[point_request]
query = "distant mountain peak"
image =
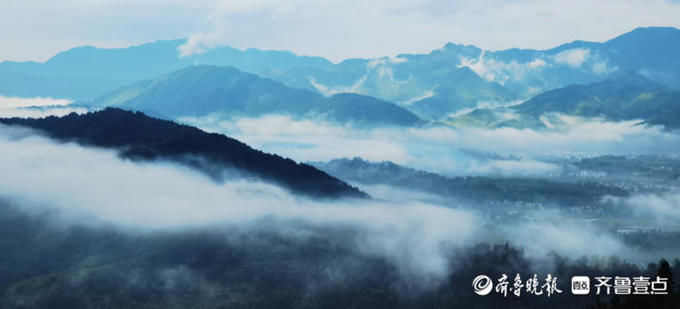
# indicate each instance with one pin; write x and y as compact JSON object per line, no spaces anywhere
{"x":197,"y":91}
{"x":653,"y":30}
{"x":646,"y":38}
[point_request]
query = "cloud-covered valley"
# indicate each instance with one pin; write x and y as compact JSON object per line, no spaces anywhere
{"x":414,"y":231}
{"x":96,"y":187}
{"x":466,"y":151}
{"x":36,"y":107}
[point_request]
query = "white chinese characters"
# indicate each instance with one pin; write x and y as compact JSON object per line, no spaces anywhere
{"x":620,"y":285}
{"x":483,"y":285}
{"x":580,"y":285}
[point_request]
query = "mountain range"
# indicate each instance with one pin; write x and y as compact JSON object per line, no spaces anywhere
{"x":197,"y":91}
{"x":87,"y":72}
{"x":406,"y":251}
{"x":140,"y":137}
{"x":434,"y":85}
{"x":626,"y":95}
{"x":434,"y":82}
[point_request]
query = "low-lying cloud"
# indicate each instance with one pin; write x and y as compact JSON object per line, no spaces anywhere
{"x":36,"y":107}
{"x":573,"y":57}
{"x":94,"y":186}
{"x":662,"y":209}
{"x":7,"y":102}
{"x":446,"y":150}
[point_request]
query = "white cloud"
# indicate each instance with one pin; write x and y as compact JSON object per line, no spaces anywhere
{"x":304,"y":140}
{"x":486,"y":69}
{"x":36,"y":107}
{"x":663,"y":208}
{"x":494,"y":70}
{"x":331,"y":90}
{"x":13,"y":102}
{"x":443,"y":149}
{"x":526,"y":167}
{"x":601,"y":67}
{"x":378,"y":70}
{"x":537,"y":63}
{"x":103,"y":188}
{"x":573,"y":57}
{"x":198,"y":44}
{"x":425,"y":95}
{"x":508,"y":114}
{"x":566,"y":236}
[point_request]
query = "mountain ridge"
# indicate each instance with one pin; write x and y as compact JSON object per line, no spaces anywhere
{"x":197,"y":91}
{"x":626,"y":95}
{"x":138,"y":136}
{"x":410,"y":80}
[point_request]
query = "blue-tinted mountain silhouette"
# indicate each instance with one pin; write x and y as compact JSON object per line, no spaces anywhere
{"x":203,"y":90}
{"x":625,"y":96}
{"x":434,"y":85}
{"x":86,"y":72}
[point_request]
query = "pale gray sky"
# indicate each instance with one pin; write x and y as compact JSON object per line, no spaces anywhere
{"x":336,"y":29}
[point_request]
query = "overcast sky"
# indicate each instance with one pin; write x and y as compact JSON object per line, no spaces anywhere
{"x":336,"y":29}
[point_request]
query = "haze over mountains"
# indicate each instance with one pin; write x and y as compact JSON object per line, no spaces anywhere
{"x":435,"y":86}
{"x":465,"y":162}
{"x":86,"y":72}
{"x":625,"y":95}
{"x":198,"y":91}
{"x":469,"y":189}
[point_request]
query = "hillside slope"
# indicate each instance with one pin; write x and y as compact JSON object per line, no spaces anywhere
{"x":140,"y":137}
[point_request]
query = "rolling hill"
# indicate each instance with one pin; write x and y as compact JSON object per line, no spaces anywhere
{"x":198,"y":91}
{"x":141,"y":137}
{"x":626,"y":95}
